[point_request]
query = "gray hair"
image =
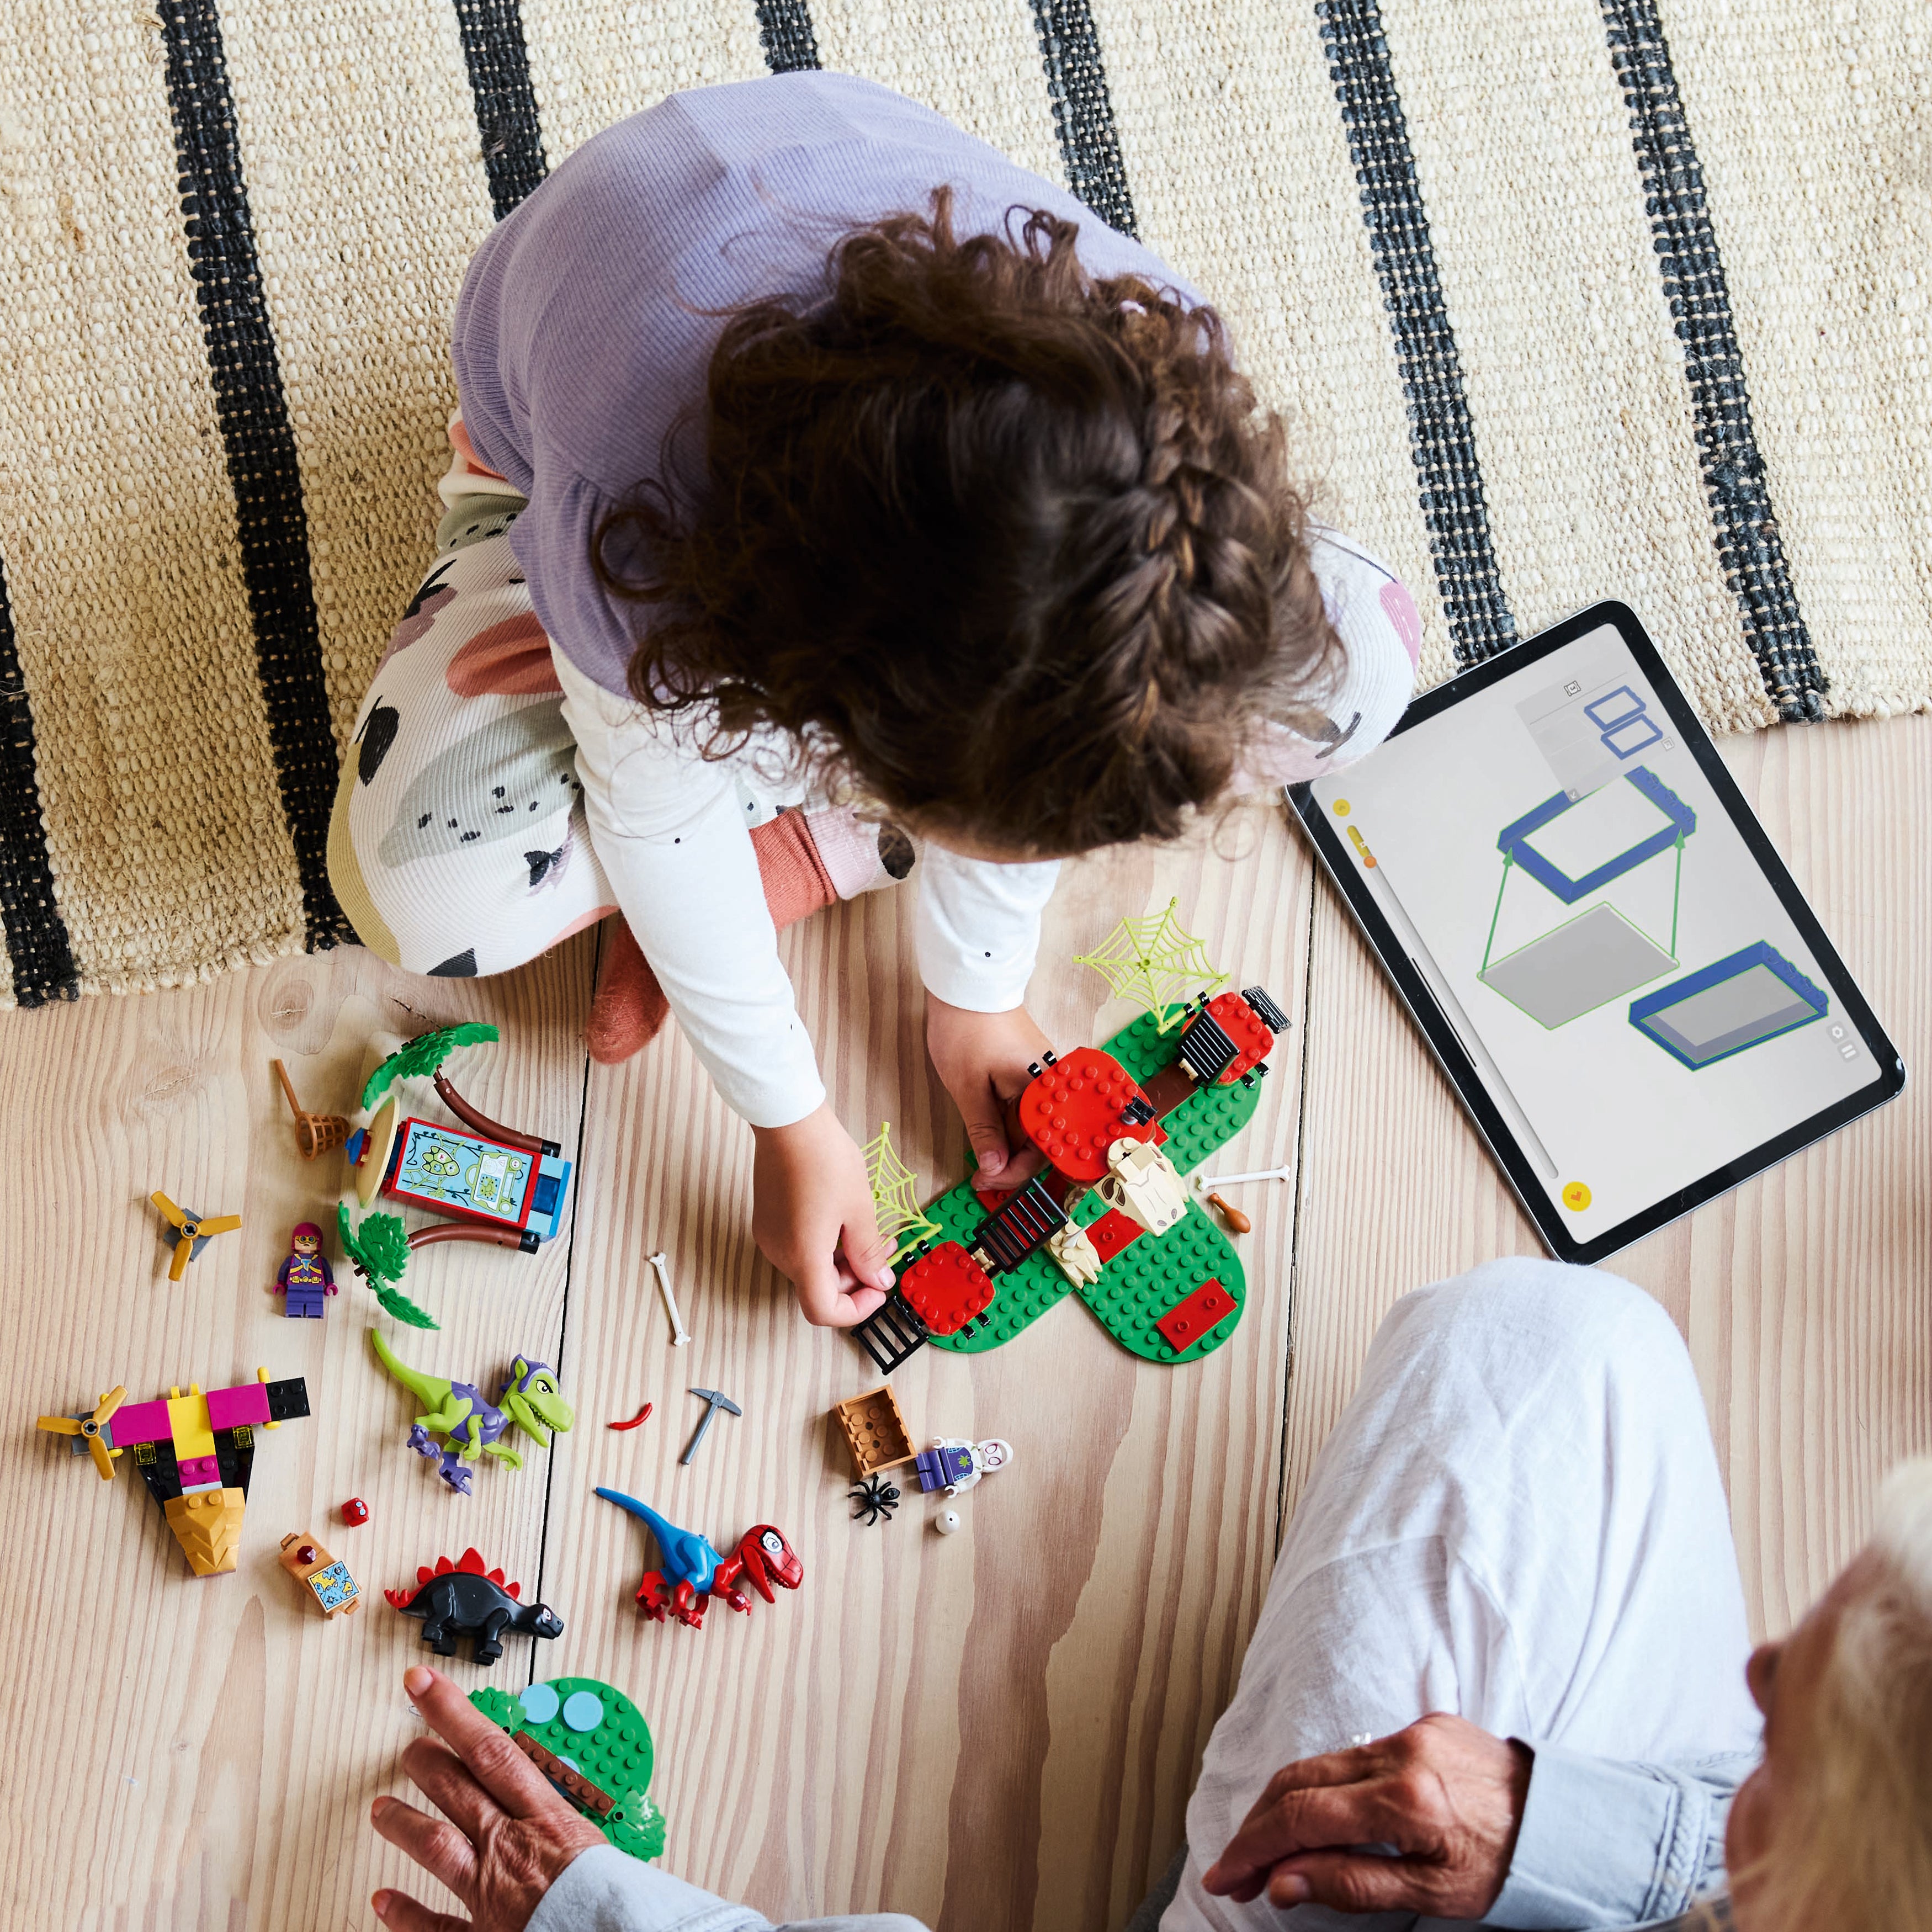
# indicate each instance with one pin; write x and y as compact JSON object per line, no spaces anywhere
{"x":1857,"y":1848}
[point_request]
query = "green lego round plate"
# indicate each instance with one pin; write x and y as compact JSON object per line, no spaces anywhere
{"x":1157,"y":1273}
{"x":615,"y":1753}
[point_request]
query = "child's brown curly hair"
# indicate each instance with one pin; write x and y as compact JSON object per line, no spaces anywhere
{"x":1008,"y":547}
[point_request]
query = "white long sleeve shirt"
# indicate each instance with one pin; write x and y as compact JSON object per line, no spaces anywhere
{"x":670,"y":828}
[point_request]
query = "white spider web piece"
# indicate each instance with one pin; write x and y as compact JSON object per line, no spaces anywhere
{"x":1155,"y":963}
{"x":895,"y":1194}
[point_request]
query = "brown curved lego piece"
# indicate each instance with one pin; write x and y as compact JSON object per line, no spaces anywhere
{"x":460,"y":1231}
{"x":481,"y":1123}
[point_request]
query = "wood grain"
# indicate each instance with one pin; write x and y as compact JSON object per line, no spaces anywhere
{"x":994,"y":1731}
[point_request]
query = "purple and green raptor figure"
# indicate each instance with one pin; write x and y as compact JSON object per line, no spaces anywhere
{"x":471,"y":1427}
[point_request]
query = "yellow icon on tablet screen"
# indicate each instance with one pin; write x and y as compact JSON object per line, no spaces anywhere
{"x":1341,"y":807}
{"x":1575,"y":1197}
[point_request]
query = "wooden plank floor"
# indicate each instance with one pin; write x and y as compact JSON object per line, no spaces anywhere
{"x":995,"y":1730}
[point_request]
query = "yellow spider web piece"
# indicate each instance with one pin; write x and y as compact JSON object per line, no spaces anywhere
{"x":895,"y":1194}
{"x":1156,"y":965}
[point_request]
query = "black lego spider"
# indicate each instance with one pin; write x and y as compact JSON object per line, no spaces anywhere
{"x":874,"y":1499}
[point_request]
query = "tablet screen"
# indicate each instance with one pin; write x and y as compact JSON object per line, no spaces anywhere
{"x":1637,"y":1002}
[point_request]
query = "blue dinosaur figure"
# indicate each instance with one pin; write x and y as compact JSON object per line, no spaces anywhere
{"x":693,"y":1570}
{"x":471,"y":1427}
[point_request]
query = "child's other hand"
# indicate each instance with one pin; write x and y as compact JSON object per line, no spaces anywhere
{"x":812,"y":1219}
{"x":982,"y":1058}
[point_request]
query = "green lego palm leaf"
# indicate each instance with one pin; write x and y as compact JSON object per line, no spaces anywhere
{"x":1155,"y":963}
{"x":380,"y":1250}
{"x":405,"y":1310}
{"x":895,"y":1194}
{"x":423,"y":1054}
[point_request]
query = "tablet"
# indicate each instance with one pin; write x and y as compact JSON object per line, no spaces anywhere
{"x":1613,"y":966}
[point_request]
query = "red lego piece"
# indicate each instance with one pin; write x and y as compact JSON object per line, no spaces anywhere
{"x":1245,"y":1027}
{"x":1112,"y":1232}
{"x":355,"y":1511}
{"x":1189,"y":1318}
{"x":1072,"y":1111}
{"x":946,"y":1288}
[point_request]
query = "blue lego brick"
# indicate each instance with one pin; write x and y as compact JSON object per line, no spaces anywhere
{"x":1680,"y":821}
{"x":1741,"y":1001}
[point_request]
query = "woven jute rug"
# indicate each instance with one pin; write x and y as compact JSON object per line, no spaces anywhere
{"x":1566,"y":298}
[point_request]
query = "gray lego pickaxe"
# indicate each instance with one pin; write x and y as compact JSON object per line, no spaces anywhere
{"x":717,"y":1401}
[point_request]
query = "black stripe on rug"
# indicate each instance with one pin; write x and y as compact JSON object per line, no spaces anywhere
{"x":1441,"y":437}
{"x":785,"y":31}
{"x":506,"y":103}
{"x":1083,"y":110}
{"x":252,"y":412}
{"x":37,"y":942}
{"x":1749,"y":547}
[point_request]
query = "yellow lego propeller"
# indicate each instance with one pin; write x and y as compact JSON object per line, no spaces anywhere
{"x":189,"y":1229}
{"x":90,"y":1427}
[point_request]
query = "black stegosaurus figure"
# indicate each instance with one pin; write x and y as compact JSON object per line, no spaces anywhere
{"x":462,"y":1599}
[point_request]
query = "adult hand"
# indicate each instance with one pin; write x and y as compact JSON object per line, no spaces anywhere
{"x":813,"y":1220}
{"x":983,"y":1059}
{"x":1445,"y":1793}
{"x":510,"y":1834}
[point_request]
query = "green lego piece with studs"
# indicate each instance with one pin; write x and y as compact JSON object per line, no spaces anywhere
{"x":602,"y":1735}
{"x":1140,"y":1285}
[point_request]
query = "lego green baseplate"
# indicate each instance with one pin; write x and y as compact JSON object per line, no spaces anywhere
{"x":1141,"y":1283}
{"x":602,"y":1735}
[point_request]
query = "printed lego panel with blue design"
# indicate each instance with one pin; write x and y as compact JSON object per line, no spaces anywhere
{"x":462,"y":1174}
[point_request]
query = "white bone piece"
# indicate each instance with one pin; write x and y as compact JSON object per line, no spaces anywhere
{"x":1206,"y":1183}
{"x":678,"y":1336}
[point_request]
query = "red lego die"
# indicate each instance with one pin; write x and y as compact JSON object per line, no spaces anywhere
{"x":946,"y":1288}
{"x":1190,"y":1317}
{"x":1246,"y":1027}
{"x":355,"y":1511}
{"x":1071,"y":1111}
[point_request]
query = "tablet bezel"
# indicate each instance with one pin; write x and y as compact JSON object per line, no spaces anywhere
{"x":1441,"y":1037}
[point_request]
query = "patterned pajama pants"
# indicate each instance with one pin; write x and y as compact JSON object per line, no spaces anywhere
{"x":458,"y":845}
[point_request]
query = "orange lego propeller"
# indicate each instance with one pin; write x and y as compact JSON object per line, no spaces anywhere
{"x":191,"y":1230}
{"x":90,"y":1427}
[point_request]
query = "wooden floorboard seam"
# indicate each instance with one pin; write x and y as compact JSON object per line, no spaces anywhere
{"x":563,"y":1316}
{"x":1292,"y":1283}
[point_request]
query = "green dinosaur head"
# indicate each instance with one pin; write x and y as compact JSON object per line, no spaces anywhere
{"x":532,"y":1400}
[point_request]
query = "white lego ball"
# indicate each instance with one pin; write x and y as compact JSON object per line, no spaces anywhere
{"x":947,"y":1522}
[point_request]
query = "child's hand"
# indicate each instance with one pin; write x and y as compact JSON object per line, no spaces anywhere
{"x":982,"y":1058}
{"x":812,"y":1219}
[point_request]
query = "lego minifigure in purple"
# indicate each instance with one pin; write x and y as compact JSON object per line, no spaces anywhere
{"x":306,"y":1276}
{"x":952,"y":1464}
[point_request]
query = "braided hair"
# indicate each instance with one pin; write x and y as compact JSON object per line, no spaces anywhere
{"x":1008,"y":547}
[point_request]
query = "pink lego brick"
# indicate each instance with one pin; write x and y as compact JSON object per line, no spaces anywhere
{"x":139,"y":1422}
{"x":199,"y":1469}
{"x":229,"y":1408}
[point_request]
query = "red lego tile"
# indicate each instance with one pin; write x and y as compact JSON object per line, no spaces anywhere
{"x":1190,"y":1317}
{"x":946,"y":1288}
{"x":1112,"y":1232}
{"x":1071,"y":1111}
{"x":1245,"y":1027}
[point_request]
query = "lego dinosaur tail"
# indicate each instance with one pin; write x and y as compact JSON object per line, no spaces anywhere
{"x":429,"y":1390}
{"x":659,"y":1527}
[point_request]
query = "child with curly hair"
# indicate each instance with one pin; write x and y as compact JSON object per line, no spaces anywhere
{"x":833,"y":499}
